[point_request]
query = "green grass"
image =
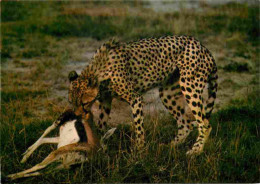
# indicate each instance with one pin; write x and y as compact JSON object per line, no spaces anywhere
{"x":24,"y":94}
{"x":50,"y":19}
{"x":231,"y":154}
{"x":236,"y":67}
{"x":81,"y":26}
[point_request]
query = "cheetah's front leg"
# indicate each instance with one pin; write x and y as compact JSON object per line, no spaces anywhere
{"x":137,"y":110}
{"x":103,"y":116}
{"x":125,"y":91}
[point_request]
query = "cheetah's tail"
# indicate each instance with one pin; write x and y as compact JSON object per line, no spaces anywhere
{"x":212,"y":90}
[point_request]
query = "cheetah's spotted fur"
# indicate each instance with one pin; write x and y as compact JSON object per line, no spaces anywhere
{"x":179,"y":65}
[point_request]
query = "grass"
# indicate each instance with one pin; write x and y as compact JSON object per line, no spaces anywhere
{"x":231,"y":154}
{"x":236,"y":67}
{"x":39,"y":39}
{"x":58,"y":20}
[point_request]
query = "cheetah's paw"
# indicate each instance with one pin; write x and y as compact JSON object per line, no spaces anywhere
{"x":194,"y":151}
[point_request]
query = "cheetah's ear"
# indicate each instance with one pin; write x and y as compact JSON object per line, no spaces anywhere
{"x":73,"y":76}
{"x":112,"y":43}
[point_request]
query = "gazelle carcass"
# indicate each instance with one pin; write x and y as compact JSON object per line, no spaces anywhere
{"x":76,"y":142}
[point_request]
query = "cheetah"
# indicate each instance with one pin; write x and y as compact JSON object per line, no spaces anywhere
{"x":180,"y":66}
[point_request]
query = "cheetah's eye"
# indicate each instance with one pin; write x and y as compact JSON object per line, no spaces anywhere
{"x":89,"y":82}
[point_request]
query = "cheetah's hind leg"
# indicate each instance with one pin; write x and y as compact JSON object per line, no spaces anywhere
{"x":193,"y":96}
{"x":174,"y":101}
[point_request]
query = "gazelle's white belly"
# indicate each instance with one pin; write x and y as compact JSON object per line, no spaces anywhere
{"x":68,"y":134}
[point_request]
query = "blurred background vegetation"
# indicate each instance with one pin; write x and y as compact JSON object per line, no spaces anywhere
{"x":42,"y":41}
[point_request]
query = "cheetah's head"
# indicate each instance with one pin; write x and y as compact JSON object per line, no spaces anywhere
{"x":83,"y":91}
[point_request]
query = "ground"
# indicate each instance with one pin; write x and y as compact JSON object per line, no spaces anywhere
{"x":42,"y":42}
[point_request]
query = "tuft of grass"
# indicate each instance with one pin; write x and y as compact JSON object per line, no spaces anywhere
{"x":17,"y":13}
{"x":80,"y":25}
{"x":240,"y":134}
{"x":231,"y":18}
{"x":237,"y":67}
{"x":22,"y":95}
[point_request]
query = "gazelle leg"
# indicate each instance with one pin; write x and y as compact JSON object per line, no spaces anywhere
{"x":50,"y":140}
{"x":36,"y":173}
{"x":47,"y":131}
{"x":54,"y":156}
{"x":32,"y":174}
{"x":49,"y":159}
{"x":31,"y":149}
